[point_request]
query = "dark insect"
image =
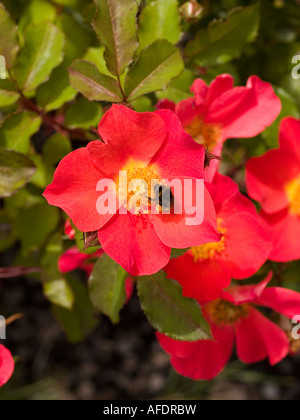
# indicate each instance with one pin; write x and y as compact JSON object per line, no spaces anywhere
{"x":164,"y":197}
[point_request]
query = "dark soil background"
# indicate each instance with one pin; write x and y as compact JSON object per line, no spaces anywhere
{"x":116,"y":362}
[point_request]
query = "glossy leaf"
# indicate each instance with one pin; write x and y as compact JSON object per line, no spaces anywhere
{"x":154,"y":69}
{"x":169,"y":312}
{"x":57,"y":90}
{"x":8,"y":94}
{"x":179,"y":89}
{"x":86,"y":79}
{"x":107,"y":287}
{"x":56,"y":148}
{"x":77,"y":37}
{"x":42,"y":52}
{"x":55,"y":286}
{"x":115,"y":26}
{"x":96,"y":55}
{"x":83,"y":114}
{"x":79,"y":321}
{"x":59,"y":293}
{"x":34,"y":225}
{"x":44,"y":172}
{"x":159,"y":20}
{"x":17,"y":129}
{"x":36,"y":12}
{"x":8,"y":37}
{"x":15,"y":171}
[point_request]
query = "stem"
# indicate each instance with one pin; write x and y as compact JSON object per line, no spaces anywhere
{"x":13,"y":318}
{"x":50,"y":121}
{"x":121,"y":89}
{"x":76,"y":134}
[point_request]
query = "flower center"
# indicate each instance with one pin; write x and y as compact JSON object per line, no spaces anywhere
{"x":206,"y":134}
{"x":223,"y":312}
{"x":293,"y":193}
{"x":211,"y":250}
{"x":135,"y":188}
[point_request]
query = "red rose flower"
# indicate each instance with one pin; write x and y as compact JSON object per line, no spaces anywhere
{"x":146,"y":146}
{"x":234,"y":318}
{"x":221,"y":111}
{"x":204,"y":271}
{"x":274,"y":181}
{"x":7,"y":365}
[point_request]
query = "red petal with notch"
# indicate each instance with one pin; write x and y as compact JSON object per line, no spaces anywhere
{"x":202,"y":280}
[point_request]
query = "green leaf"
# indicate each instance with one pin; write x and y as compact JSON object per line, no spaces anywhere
{"x":56,"y":288}
{"x":15,"y":171}
{"x":159,"y":20}
{"x":86,"y":79}
{"x":42,"y":52}
{"x":157,"y":65}
{"x":24,"y":198}
{"x":44,"y":173}
{"x":96,"y":55}
{"x":8,"y":37}
{"x":78,"y":4}
{"x":223,"y":41}
{"x":56,"y":148}
{"x":59,"y":293}
{"x":77,"y":37}
{"x":179,"y":88}
{"x":79,"y":321}
{"x":107,"y":287}
{"x":83,"y":114}
{"x":8,"y":94}
{"x":169,"y":312}
{"x":36,"y":12}
{"x":175,"y":253}
{"x":17,"y":129}
{"x":34,"y":225}
{"x":143,"y":104}
{"x":115,"y":25}
{"x":57,"y":90}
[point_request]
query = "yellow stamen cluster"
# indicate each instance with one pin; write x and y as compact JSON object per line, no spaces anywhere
{"x":293,"y":193}
{"x":138,"y":184}
{"x":206,"y":134}
{"x":211,"y":250}
{"x":223,"y":312}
